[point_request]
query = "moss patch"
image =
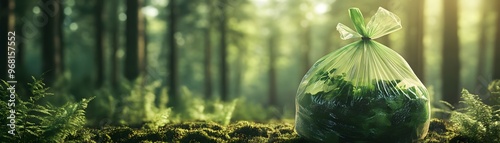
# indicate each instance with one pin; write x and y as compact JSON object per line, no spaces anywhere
{"x":198,"y":131}
{"x":242,"y":131}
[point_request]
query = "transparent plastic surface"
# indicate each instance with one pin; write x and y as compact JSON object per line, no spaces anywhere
{"x":364,"y":91}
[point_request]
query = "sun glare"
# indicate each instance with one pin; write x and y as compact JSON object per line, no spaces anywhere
{"x":320,"y":8}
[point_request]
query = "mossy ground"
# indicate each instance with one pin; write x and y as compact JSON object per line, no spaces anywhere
{"x":210,"y":132}
{"x":197,"y":131}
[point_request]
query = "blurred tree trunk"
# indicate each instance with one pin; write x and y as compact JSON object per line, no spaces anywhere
{"x":329,"y":39}
{"x":142,"y":41}
{"x":306,"y":35}
{"x":134,"y":48}
{"x":99,"y":37}
{"x":172,"y":58}
{"x":21,"y":72}
{"x":52,"y":50}
{"x":223,"y":52}
{"x":481,"y":86}
{"x":450,"y":70}
{"x":4,"y":29}
{"x":496,"y":60}
{"x":239,"y":68}
{"x":208,"y":50}
{"x":414,"y":37}
{"x":115,"y":74}
{"x":272,"y":66}
{"x":60,"y":30}
{"x":207,"y":64}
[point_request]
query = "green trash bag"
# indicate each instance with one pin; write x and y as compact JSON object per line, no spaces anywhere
{"x":363,"y":92}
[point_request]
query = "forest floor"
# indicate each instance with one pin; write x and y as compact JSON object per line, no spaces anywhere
{"x":208,"y":132}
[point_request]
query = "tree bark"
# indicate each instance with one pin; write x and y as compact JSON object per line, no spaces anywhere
{"x":99,"y":37}
{"x":172,"y":58}
{"x":115,"y":74}
{"x":132,"y":36}
{"x":450,"y":70}
{"x":22,"y":74}
{"x":4,"y":28}
{"x":223,"y":54}
{"x":496,"y":60}
{"x":52,"y":43}
{"x":414,"y":37}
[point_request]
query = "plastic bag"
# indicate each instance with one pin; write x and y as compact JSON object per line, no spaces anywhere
{"x":363,"y":91}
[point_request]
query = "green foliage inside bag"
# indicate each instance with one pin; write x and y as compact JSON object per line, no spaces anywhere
{"x":363,"y":91}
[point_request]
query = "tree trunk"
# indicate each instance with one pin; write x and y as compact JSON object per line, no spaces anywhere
{"x":414,"y":37}
{"x":223,"y":54}
{"x":23,"y":75}
{"x":4,"y":29}
{"x":172,"y":58}
{"x":306,"y":49}
{"x":272,"y":68}
{"x":496,"y":60}
{"x":239,"y":69}
{"x":115,"y":74}
{"x":207,"y":64}
{"x":132,"y":33}
{"x":99,"y":35}
{"x":52,"y":42}
{"x":141,"y":48}
{"x":207,"y":71}
{"x":450,"y":53}
{"x":481,"y":85}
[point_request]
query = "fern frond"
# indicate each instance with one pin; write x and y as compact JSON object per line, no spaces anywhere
{"x":476,"y":120}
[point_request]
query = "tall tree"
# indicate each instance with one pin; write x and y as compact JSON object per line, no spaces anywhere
{"x":114,"y":45}
{"x":52,"y":40}
{"x":208,"y":50}
{"x":273,"y":45}
{"x":414,"y":37}
{"x":224,"y":73}
{"x":481,"y":85}
{"x":172,"y":57}
{"x":4,"y":28}
{"x":135,"y":47}
{"x":496,"y":61}
{"x":450,"y":69}
{"x":99,"y":47}
{"x":20,"y":9}
{"x":141,"y":48}
{"x":306,"y":48}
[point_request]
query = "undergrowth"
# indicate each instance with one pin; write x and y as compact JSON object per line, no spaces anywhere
{"x":475,"y":122}
{"x":38,"y":122}
{"x":145,"y":105}
{"x":139,"y":104}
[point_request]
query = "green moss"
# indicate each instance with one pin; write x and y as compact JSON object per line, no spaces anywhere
{"x":439,"y":131}
{"x":198,"y":131}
